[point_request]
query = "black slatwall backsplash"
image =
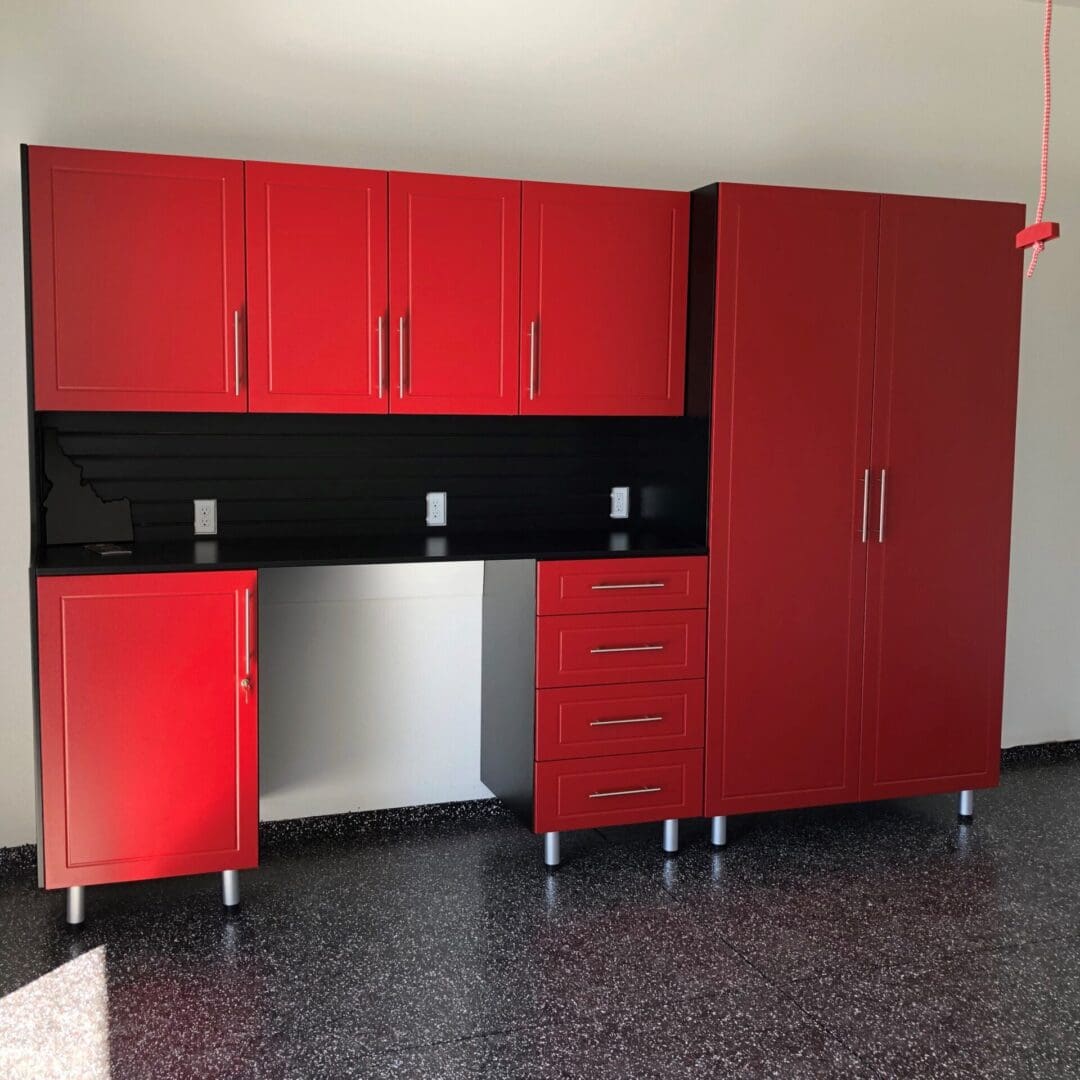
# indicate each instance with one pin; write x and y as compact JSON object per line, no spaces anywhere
{"x":295,"y":476}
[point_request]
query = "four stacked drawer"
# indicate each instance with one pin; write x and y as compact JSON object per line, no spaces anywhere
{"x":620,"y":698}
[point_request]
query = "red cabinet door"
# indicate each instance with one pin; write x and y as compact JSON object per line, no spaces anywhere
{"x":318,"y":335}
{"x":603,"y":321}
{"x":944,"y":417}
{"x":149,"y":743}
{"x":137,"y":270}
{"x":455,"y":256}
{"x":790,"y":451}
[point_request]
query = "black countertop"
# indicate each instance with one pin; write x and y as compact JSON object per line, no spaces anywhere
{"x":217,"y":553}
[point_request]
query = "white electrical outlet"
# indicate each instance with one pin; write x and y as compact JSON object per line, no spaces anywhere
{"x":620,"y":502}
{"x":205,"y":517}
{"x":436,"y":508}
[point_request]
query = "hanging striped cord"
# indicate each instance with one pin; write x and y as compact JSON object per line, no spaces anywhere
{"x":1039,"y":245}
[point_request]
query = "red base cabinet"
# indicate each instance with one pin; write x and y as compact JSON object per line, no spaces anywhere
{"x":149,"y":725}
{"x":613,"y":732}
{"x":863,"y":424}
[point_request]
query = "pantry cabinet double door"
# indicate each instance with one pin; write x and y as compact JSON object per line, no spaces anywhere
{"x":173,"y":283}
{"x":864,"y":414}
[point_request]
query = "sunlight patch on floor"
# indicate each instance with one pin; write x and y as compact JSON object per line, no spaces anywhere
{"x":57,"y":1027}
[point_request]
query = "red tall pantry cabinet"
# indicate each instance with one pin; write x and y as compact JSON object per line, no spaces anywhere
{"x":149,"y":741}
{"x":864,"y":406}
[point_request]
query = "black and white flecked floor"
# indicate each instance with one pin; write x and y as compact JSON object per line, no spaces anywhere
{"x":884,"y":940}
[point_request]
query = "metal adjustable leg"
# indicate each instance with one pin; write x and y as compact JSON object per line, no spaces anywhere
{"x":551,"y":849}
{"x":230,"y":887}
{"x":718,"y":834}
{"x":671,"y":835}
{"x":967,"y":804}
{"x":76,"y":904}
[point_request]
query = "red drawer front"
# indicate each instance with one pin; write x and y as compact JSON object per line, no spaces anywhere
{"x":622,"y":790}
{"x":642,"y":646}
{"x":587,"y":585}
{"x":589,"y":721}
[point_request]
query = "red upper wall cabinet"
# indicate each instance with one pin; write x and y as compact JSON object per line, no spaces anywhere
{"x":318,"y":335}
{"x":948,"y":336}
{"x":455,"y":247}
{"x":137,"y":269}
{"x":604,"y":281}
{"x":149,"y":717}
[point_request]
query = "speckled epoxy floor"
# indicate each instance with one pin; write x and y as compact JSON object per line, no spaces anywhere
{"x":885,"y":940}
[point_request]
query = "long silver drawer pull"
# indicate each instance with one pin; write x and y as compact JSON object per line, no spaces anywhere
{"x":532,"y":359}
{"x":881,"y":512}
{"x":247,"y":632}
{"x":401,"y":355}
{"x":626,"y":648}
{"x":379,"y":361}
{"x":627,"y":720}
{"x":865,"y":504}
{"x":628,"y":791}
{"x":635,"y":585}
{"x":236,"y":350}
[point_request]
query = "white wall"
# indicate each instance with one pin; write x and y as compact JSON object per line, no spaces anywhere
{"x":369,"y":687}
{"x":908,"y":95}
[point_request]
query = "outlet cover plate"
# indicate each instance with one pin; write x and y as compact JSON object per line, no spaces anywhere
{"x":205,"y":517}
{"x":620,"y":502}
{"x":436,"y":508}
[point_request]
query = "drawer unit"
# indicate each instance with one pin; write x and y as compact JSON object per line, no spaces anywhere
{"x":619,"y":790}
{"x":582,"y":650}
{"x":593,"y":703}
{"x":584,"y":586}
{"x":631,"y":718}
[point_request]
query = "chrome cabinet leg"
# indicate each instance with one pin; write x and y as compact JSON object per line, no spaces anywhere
{"x":551,"y":849}
{"x":671,"y":835}
{"x":967,"y":804}
{"x":76,"y":904}
{"x":718,"y":834}
{"x":230,"y":887}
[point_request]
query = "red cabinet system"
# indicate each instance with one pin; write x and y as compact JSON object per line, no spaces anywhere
{"x":365,"y":291}
{"x":844,"y":638}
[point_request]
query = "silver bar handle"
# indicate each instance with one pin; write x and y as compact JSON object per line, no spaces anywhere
{"x":627,"y":720}
{"x":236,"y":351}
{"x":532,"y":360}
{"x":626,"y":648}
{"x":628,"y":791}
{"x":865,"y":504}
{"x":635,"y":585}
{"x":247,"y":632}
{"x":881,"y":511}
{"x":401,"y":355}
{"x":379,"y":361}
